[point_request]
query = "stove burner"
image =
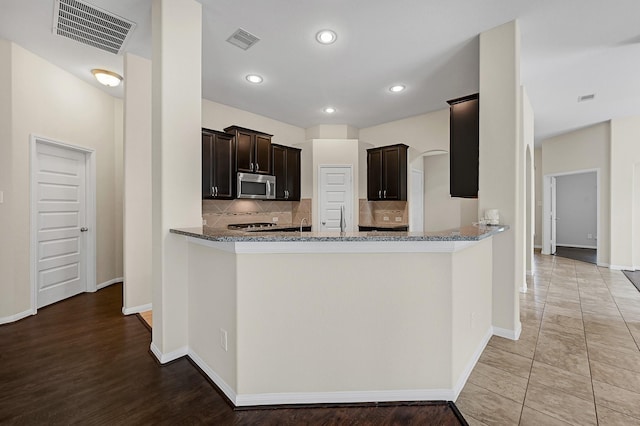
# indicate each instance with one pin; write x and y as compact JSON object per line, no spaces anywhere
{"x":257,"y":225}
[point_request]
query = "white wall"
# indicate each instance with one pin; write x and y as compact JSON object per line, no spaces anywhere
{"x":137,"y":185}
{"x":218,"y":116}
{"x":52,"y":103}
{"x":537,"y":163}
{"x":625,"y":193}
{"x":501,"y":171}
{"x":583,"y":150}
{"x":7,"y":281}
{"x":576,"y":210}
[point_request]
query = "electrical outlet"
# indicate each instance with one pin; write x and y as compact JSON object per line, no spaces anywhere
{"x":589,"y":236}
{"x":398,"y":219}
{"x":386,"y":218}
{"x":223,"y":339}
{"x":1,"y":197}
{"x":204,"y":222}
{"x":274,"y":219}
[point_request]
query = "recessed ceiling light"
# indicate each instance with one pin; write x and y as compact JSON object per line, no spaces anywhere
{"x":326,"y":36}
{"x":397,"y":88}
{"x":329,"y":110}
{"x":108,"y":78}
{"x":254,"y":78}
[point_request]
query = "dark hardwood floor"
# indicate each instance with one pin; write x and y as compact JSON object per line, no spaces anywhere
{"x":81,"y":361}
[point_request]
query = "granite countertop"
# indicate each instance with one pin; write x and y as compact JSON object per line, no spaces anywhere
{"x":466,"y":233}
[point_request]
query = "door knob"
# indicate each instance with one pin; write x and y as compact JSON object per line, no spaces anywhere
{"x":84,"y":229}
{"x":324,"y":222}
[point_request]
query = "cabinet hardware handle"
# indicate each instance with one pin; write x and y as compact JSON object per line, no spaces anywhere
{"x":384,"y":193}
{"x":213,"y":191}
{"x":379,"y":193}
{"x":257,"y":167}
{"x":216,"y":191}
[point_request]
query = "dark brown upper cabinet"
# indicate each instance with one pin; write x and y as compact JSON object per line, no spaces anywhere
{"x":218,"y":165}
{"x":253,"y":150}
{"x":387,"y":173}
{"x":464,"y":146}
{"x":286,"y":168}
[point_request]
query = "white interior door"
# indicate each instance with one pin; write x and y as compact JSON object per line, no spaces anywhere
{"x":61,"y":203}
{"x":554,"y":218}
{"x":335,"y":191}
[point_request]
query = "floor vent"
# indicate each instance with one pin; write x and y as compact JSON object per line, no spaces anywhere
{"x":243,"y":39}
{"x":90,"y":25}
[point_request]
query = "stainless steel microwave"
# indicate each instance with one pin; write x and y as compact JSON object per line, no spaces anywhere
{"x":259,"y":187}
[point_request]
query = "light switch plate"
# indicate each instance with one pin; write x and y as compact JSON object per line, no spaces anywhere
{"x":1,"y":197}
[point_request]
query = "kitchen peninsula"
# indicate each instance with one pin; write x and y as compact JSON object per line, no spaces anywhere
{"x":290,"y":317}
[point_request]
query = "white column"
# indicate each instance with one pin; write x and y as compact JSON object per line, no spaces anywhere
{"x":501,"y":171}
{"x":176,"y":156}
{"x":137,"y":185}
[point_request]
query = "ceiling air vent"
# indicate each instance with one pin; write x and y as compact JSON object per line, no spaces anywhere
{"x":90,"y":25}
{"x":584,"y":98}
{"x":243,"y":39}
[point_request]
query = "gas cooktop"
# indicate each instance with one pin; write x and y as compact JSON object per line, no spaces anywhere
{"x":256,"y":225}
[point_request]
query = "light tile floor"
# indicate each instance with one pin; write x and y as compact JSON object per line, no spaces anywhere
{"x":578,"y":358}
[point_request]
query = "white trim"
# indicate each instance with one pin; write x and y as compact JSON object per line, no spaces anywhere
{"x":220,"y":383}
{"x":344,"y":397}
{"x":171,"y":356}
{"x":603,"y":265}
{"x":576,"y":246}
{"x":90,"y":219}
{"x":471,"y":364}
{"x":530,"y":272}
{"x":137,"y":309}
{"x":508,"y":334}
{"x":108,"y":283}
{"x":271,"y":247}
{"x":537,"y":246}
{"x":16,"y":317}
{"x":621,"y":268}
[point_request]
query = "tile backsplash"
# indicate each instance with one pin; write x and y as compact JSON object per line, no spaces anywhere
{"x":220,"y":213}
{"x":373,"y":213}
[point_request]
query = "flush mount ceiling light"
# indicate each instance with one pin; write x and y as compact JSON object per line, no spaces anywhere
{"x":326,"y":36}
{"x":108,"y":78}
{"x":329,"y":110}
{"x":254,"y":78}
{"x":397,"y":88}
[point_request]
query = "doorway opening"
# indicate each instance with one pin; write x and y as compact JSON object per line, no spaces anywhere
{"x":571,"y":222}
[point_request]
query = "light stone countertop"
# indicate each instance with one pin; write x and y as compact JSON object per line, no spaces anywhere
{"x":466,"y":233}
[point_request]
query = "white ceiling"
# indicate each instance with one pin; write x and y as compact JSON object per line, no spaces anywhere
{"x":569,"y":48}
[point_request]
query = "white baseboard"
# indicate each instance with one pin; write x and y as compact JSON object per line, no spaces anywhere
{"x":171,"y":356}
{"x":108,"y":283}
{"x":470,"y":366}
{"x":508,"y":334}
{"x":224,"y":387}
{"x":576,"y":246}
{"x":136,"y":309}
{"x":621,"y":268}
{"x":537,"y":246}
{"x":344,"y":397}
{"x":18,"y":316}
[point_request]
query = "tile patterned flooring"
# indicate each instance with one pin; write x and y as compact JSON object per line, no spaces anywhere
{"x":577,"y":361}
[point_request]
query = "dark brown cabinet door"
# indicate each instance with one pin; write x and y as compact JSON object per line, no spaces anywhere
{"x":262,"y":161}
{"x":464,"y":146}
{"x":244,"y":151}
{"x":218,"y":164}
{"x":374,"y":174}
{"x":280,"y":170}
{"x":286,"y":168}
{"x":293,"y":174}
{"x":387,"y":173}
{"x":223,"y":166}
